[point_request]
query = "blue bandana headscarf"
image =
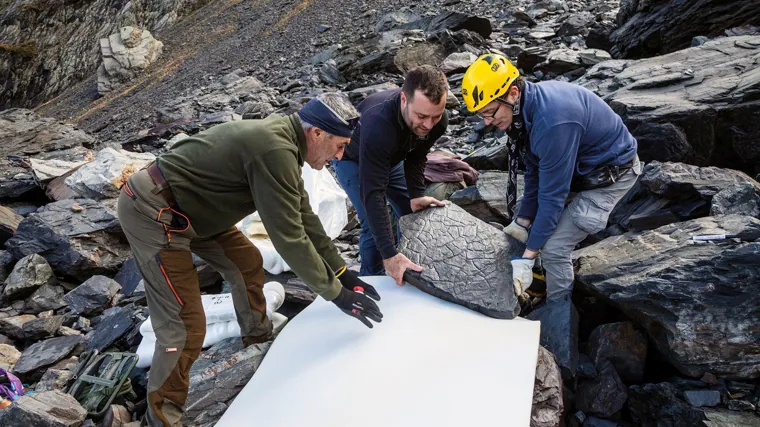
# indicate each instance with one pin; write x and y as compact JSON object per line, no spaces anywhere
{"x":316,"y":113}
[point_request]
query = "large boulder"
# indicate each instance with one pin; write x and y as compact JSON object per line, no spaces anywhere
{"x":465,"y":260}
{"x":697,"y":105}
{"x":671,"y":192}
{"x":44,"y":409}
{"x":655,"y":27}
{"x":125,"y":55}
{"x":690,"y":297}
{"x":79,"y":238}
{"x":107,"y":173}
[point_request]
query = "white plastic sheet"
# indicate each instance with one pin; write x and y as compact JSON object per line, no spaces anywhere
{"x":327,"y":200}
{"x":429,"y":363}
{"x":221,"y":321}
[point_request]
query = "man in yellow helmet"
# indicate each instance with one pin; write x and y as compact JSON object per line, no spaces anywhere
{"x":570,"y":140}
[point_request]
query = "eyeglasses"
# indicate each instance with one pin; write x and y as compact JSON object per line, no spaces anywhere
{"x":350,"y":123}
{"x":493,"y":114}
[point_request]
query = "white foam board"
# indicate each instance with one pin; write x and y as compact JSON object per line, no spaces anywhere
{"x":429,"y":363}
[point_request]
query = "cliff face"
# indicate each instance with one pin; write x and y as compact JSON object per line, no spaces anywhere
{"x":48,"y":45}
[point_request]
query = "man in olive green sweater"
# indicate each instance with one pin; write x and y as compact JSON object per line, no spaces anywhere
{"x":189,"y":201}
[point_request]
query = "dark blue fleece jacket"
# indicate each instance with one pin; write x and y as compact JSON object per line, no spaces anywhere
{"x":571,"y":131}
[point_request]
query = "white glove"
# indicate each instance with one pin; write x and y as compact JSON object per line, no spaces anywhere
{"x":517,"y":231}
{"x":522,"y":274}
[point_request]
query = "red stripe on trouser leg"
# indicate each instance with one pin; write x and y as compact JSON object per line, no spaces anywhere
{"x":176,"y":266}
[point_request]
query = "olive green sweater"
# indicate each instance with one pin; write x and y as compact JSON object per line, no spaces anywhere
{"x":231,"y":170}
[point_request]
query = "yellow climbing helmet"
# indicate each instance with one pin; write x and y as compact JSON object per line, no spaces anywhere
{"x":486,"y":79}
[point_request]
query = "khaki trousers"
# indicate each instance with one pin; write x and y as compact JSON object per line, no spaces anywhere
{"x":163,"y":251}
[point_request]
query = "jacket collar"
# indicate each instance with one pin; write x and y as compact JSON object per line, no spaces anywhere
{"x":295,"y":123}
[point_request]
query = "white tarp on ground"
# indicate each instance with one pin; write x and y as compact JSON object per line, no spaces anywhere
{"x":327,"y":200}
{"x":429,"y":363}
{"x":221,"y":321}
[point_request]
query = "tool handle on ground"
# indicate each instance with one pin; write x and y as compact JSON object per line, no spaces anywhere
{"x":709,"y":237}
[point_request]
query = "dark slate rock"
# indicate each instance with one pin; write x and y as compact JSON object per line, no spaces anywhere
{"x":654,"y":405}
{"x":576,"y":24}
{"x":741,"y":405}
{"x":6,"y":264}
{"x":656,"y":28}
{"x":559,"y":332}
{"x":463,"y":259}
{"x":738,"y":199}
{"x":112,"y":325}
{"x":9,"y":221}
{"x":45,"y":353}
{"x":599,"y":35}
{"x":548,"y":404}
{"x":53,"y":379}
{"x":42,"y":328}
{"x":92,"y":296}
{"x":492,"y":157}
{"x":30,"y":272}
{"x":532,"y":56}
{"x":129,"y":276}
{"x":663,"y":280}
{"x":604,"y":395}
{"x":598,"y":422}
{"x":47,"y":297}
{"x":487,"y":199}
{"x":718,"y":126}
{"x":14,"y":326}
{"x":623,"y":345}
{"x":586,"y":367}
{"x":222,"y":380}
{"x":671,"y":192}
{"x":395,"y":19}
{"x":453,"y":21}
{"x":79,"y":238}
{"x":329,"y":73}
{"x":45,"y":409}
{"x":702,"y":397}
{"x":724,"y":418}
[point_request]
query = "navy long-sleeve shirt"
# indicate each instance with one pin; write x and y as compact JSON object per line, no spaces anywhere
{"x":382,"y":140}
{"x":571,"y":131}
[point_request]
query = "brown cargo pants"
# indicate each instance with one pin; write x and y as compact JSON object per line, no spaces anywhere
{"x":162,"y":250}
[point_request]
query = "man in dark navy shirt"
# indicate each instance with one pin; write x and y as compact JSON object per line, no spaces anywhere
{"x":385,"y":161}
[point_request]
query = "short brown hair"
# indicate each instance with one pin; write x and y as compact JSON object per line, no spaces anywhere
{"x":427,"y":79}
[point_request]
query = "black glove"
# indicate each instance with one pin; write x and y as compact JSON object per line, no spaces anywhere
{"x":357,"y":305}
{"x":350,"y":280}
